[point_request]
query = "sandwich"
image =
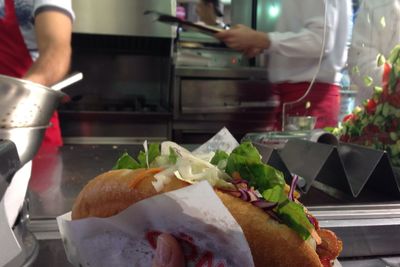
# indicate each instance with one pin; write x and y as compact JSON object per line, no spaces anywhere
{"x":278,"y":228}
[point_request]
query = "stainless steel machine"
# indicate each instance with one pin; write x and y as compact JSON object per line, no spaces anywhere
{"x":209,"y":98}
{"x":25,"y":109}
{"x":18,"y":245}
{"x":213,"y":87}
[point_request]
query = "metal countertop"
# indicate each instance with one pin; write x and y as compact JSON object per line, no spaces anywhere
{"x":59,"y":175}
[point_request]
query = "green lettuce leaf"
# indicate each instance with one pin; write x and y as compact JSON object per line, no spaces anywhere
{"x":218,"y":157}
{"x":270,"y":182}
{"x":173,"y":157}
{"x":244,"y":154}
{"x":293,"y":215}
{"x":273,"y":194}
{"x":246,"y":160}
{"x":128,"y":162}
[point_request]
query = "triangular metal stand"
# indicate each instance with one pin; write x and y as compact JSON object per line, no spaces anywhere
{"x":315,"y":161}
{"x":383,"y":180}
{"x":368,"y":168}
{"x":346,"y":168}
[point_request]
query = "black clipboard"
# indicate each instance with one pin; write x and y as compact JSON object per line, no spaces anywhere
{"x":188,"y":25}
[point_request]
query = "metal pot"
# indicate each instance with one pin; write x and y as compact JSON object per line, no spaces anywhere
{"x":27,"y":104}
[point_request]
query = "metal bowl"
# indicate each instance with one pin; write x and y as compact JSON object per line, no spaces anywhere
{"x":26,"y":104}
{"x":300,"y":123}
{"x":26,"y":139}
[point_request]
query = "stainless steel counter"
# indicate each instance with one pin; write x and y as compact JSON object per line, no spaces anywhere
{"x":58,"y":176}
{"x":368,"y":229}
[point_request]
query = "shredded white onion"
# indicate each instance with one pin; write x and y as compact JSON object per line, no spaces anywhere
{"x":191,"y":169}
{"x":162,"y":178}
{"x":146,"y":151}
{"x":311,"y":241}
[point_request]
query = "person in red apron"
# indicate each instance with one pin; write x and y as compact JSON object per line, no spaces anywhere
{"x":306,"y":31}
{"x":323,"y":100}
{"x":16,"y":60}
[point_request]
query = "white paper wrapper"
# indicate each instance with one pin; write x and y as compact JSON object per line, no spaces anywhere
{"x":194,"y":214}
{"x":223,"y":140}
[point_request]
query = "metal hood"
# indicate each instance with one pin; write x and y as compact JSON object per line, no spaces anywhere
{"x":122,"y":17}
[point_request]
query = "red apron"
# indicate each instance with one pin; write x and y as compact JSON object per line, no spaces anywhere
{"x":324,"y":99}
{"x":15,"y":61}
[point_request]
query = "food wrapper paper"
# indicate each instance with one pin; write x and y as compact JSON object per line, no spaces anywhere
{"x":223,"y":140}
{"x":195,"y":215}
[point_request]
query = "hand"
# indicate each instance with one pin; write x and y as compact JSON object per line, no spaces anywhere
{"x":168,"y":252}
{"x":252,"y":52}
{"x":244,"y":39}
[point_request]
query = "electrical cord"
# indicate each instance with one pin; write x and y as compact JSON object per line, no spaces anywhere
{"x":315,"y":75}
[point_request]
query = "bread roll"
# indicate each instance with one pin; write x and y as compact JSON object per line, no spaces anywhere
{"x":271,"y":243}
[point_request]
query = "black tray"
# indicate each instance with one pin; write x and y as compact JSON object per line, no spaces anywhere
{"x":188,"y":25}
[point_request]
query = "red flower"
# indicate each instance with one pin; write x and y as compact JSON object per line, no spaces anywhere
{"x":348,"y":117}
{"x":385,"y":79}
{"x":370,"y":107}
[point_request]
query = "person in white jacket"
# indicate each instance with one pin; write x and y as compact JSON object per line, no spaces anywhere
{"x":294,"y":50}
{"x":376,"y":32}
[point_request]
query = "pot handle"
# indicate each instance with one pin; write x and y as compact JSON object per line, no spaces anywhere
{"x":70,"y":79}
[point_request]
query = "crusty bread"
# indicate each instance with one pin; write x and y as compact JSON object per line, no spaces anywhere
{"x":271,"y":243}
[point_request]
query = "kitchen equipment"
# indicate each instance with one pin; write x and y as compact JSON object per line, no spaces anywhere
{"x":203,"y":56}
{"x":209,"y":98}
{"x":202,"y":28}
{"x":215,"y":86}
{"x":277,"y":140}
{"x":27,"y":140}
{"x":343,"y":171}
{"x":300,"y":123}
{"x":27,"y":104}
{"x":18,"y":245}
{"x":124,"y":18}
{"x":70,"y":79}
{"x":9,"y":166}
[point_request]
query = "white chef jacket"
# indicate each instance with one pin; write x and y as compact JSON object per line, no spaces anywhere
{"x":376,"y":31}
{"x":297,"y":41}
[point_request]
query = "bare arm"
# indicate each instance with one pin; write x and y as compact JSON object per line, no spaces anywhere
{"x":53,"y":33}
